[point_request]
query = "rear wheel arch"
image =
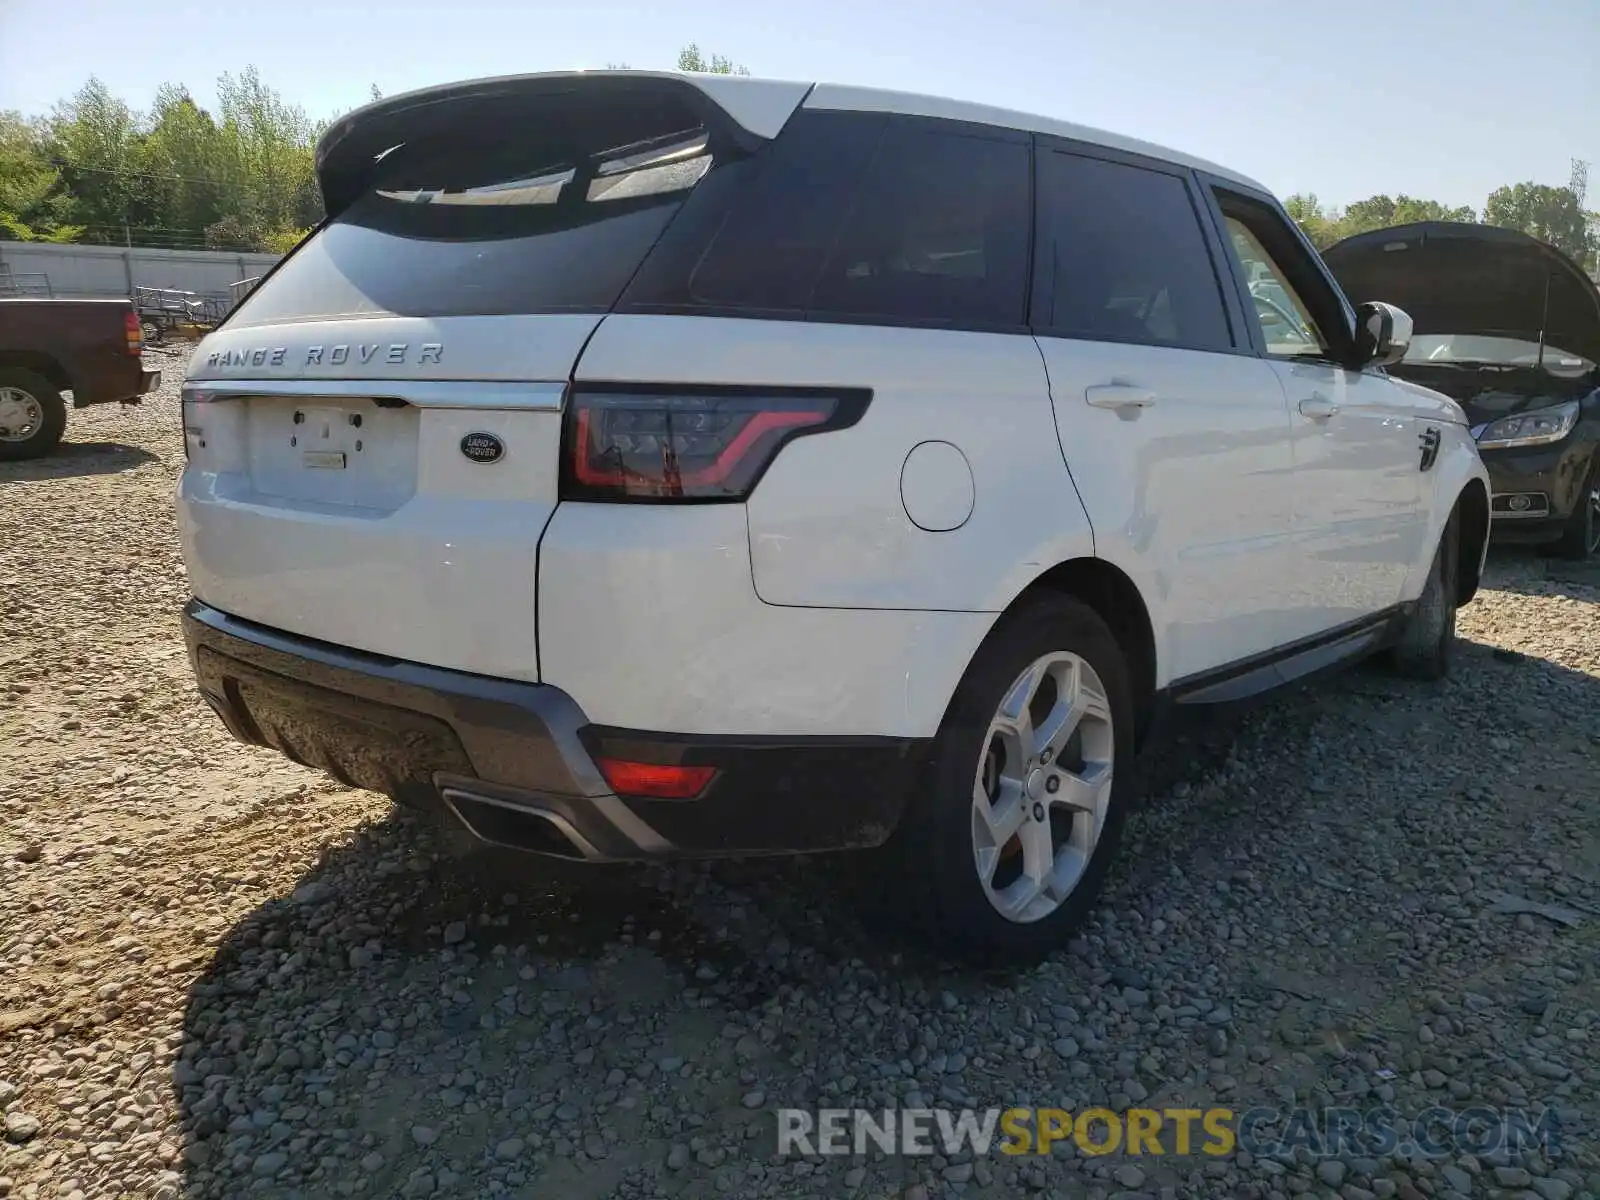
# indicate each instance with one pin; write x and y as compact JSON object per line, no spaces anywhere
{"x":1116,"y":599}
{"x":1472,"y":534}
{"x":42,"y":365}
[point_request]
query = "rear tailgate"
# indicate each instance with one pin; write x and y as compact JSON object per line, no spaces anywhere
{"x":343,"y":507}
{"x":374,"y":436}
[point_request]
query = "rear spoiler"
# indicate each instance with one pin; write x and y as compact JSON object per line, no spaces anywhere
{"x":738,"y":112}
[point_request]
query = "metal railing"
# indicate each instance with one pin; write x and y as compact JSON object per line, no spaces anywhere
{"x":34,"y":285}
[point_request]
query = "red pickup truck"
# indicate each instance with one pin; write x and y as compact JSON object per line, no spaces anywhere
{"x":91,"y":348}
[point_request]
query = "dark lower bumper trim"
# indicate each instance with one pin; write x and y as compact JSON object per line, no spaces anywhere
{"x":515,"y":763}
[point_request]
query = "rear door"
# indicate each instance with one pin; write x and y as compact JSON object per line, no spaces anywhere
{"x":1177,"y":435}
{"x":374,"y":435}
{"x":1357,"y":508}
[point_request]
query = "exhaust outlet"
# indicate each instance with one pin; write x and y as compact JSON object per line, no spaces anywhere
{"x":517,"y":826}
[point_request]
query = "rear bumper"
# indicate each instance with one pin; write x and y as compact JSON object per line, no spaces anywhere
{"x":515,"y":762}
{"x":119,"y":382}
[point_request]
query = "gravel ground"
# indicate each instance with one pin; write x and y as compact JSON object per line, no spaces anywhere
{"x":221,"y":975}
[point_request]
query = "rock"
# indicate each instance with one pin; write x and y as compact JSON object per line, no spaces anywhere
{"x":1331,"y":1172}
{"x":1129,"y":1176}
{"x":269,"y":1164}
{"x":678,"y":1157}
{"x":1066,"y":1047}
{"x":455,"y":932}
{"x":21,"y":1126}
{"x":1512,"y":1177}
{"x":8,"y":1093}
{"x":315,"y":892}
{"x":31,"y":853}
{"x":754,"y":1099}
{"x":508,"y":1149}
{"x":424,"y":1135}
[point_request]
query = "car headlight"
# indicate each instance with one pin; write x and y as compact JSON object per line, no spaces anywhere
{"x":1537,"y":428}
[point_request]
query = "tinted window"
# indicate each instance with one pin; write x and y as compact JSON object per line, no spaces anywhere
{"x":855,"y":216}
{"x":1122,"y":256}
{"x":938,"y":232}
{"x":482,"y":228}
{"x":770,"y":250}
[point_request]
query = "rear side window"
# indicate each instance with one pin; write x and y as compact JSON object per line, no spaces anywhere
{"x":1122,"y":257}
{"x":858,"y":217}
{"x":555,"y":217}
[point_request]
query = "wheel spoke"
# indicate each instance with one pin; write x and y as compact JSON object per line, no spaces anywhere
{"x":1084,"y":791}
{"x":1071,"y":862}
{"x":1014,"y":718}
{"x":1003,"y":816}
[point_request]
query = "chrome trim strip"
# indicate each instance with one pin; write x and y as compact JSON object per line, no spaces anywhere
{"x":424,"y":393}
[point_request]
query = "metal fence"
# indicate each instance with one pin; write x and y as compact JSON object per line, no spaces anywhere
{"x":26,"y":285}
{"x":87,"y":272}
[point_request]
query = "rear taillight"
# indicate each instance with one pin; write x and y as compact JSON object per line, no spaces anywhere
{"x":135,"y":333}
{"x":662,"y":444}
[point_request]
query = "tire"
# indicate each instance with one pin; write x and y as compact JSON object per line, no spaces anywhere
{"x":1427,"y":643}
{"x":1580,"y":536}
{"x":33,"y":416}
{"x":945,"y":839}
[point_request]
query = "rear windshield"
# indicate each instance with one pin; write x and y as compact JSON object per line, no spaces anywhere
{"x":488,"y":227}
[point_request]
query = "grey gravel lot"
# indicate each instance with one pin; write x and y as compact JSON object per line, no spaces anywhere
{"x":221,"y":975}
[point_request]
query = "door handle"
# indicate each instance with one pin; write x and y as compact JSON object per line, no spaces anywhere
{"x":1318,"y":408}
{"x":1119,"y":396}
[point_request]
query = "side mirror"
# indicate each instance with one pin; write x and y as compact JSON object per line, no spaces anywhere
{"x":1383,"y":334}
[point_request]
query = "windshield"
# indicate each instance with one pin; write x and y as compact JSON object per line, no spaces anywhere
{"x":1481,"y":349}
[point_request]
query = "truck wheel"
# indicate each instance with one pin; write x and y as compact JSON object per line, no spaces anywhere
{"x":1580,"y":537}
{"x":1427,"y":643}
{"x":33,"y":416}
{"x":1005,"y":844}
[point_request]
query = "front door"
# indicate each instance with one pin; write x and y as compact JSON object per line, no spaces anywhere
{"x":1355,"y":444}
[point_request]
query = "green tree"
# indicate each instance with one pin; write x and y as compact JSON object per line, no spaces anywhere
{"x":32,"y":202}
{"x":690,"y":59}
{"x":94,"y":139}
{"x":1380,"y":212}
{"x":1319,"y":224}
{"x":1551,"y":214}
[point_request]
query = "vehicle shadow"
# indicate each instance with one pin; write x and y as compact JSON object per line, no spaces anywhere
{"x":423,"y":1016}
{"x":72,"y":459}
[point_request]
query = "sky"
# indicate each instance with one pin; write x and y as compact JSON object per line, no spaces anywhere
{"x":1442,"y":99}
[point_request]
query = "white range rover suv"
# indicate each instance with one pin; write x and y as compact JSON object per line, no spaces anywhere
{"x":647,"y":465}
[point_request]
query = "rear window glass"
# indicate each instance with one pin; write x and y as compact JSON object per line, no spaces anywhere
{"x":488,"y":228}
{"x":858,"y":217}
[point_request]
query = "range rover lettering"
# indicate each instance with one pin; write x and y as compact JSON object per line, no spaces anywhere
{"x":878,"y":472}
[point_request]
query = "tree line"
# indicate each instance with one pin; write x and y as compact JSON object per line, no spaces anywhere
{"x":241,"y":176}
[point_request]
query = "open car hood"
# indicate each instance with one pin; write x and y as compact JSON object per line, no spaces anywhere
{"x":1457,"y":278}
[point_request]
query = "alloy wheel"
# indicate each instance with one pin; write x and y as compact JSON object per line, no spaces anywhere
{"x":1042,"y":787}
